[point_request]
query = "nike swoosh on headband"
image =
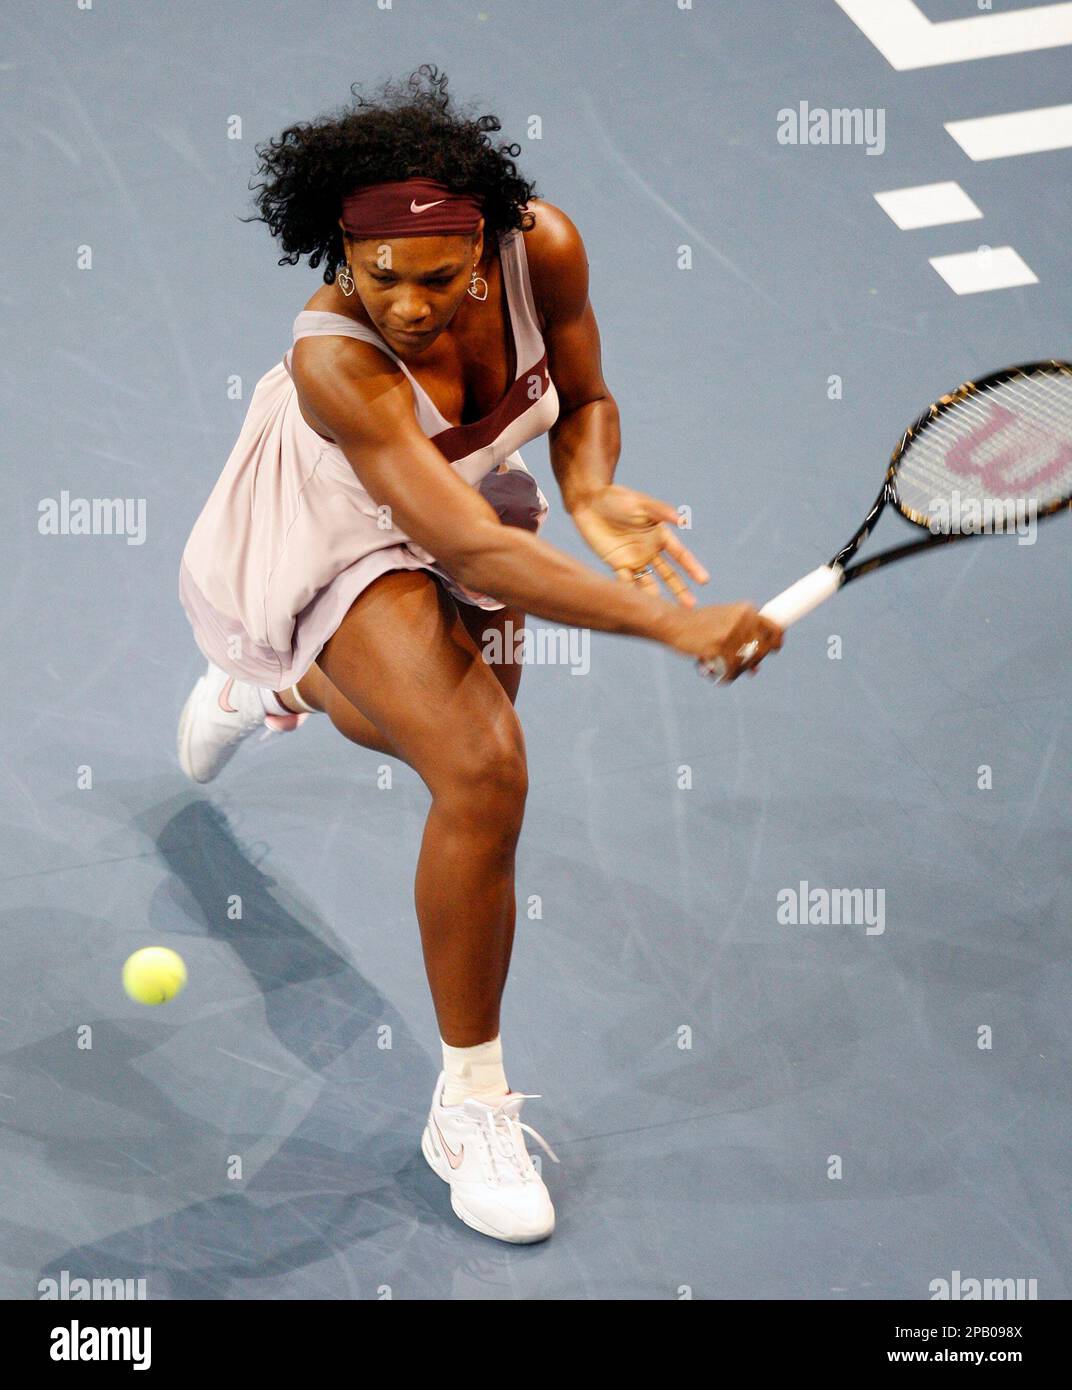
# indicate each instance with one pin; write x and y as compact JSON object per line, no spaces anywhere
{"x":422,"y":207}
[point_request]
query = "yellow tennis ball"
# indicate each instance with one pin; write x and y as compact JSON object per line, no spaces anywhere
{"x":154,"y":975}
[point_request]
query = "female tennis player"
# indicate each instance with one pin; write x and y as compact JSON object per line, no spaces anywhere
{"x":375,"y":525}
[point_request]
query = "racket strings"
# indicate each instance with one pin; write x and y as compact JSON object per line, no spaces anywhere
{"x":1007,"y":446}
{"x":1045,"y":418}
{"x":1044,"y":405}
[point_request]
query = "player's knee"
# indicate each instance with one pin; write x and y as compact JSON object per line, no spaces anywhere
{"x":504,"y":772}
{"x":499,"y":771}
{"x":488,"y":770}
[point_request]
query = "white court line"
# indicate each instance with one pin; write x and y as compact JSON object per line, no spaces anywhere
{"x":1016,"y":132}
{"x":927,"y":205}
{"x":971,"y":272}
{"x":907,"y":39}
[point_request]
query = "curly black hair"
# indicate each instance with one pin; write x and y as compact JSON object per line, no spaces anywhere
{"x":410,"y":130}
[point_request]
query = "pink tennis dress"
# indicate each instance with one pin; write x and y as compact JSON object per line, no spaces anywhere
{"x":288,"y":536}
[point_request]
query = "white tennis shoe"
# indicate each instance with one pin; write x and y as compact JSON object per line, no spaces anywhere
{"x":479,"y":1149}
{"x":220,"y":712}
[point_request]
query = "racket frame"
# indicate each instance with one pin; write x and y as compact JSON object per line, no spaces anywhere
{"x":838,"y":572}
{"x":889,"y":493}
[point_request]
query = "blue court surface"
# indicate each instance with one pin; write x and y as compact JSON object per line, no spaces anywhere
{"x":745,"y":1106}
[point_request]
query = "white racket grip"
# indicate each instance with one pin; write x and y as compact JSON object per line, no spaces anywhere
{"x":800,"y":598}
{"x":785,"y":609}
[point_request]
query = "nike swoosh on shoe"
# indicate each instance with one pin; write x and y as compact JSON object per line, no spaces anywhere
{"x":454,"y":1161}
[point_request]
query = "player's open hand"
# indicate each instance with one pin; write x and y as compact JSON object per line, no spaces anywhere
{"x":636,"y":536}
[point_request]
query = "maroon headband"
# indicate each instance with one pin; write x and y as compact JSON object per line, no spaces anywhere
{"x":409,"y":207}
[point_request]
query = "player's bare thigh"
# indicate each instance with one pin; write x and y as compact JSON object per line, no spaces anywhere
{"x":410,"y":665}
{"x":509,"y":623}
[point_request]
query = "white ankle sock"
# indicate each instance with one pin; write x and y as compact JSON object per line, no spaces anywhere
{"x":474,"y":1071}
{"x":302,"y":705}
{"x":271,"y":701}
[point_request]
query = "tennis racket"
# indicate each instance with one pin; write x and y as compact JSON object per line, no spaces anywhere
{"x":992,"y":456}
